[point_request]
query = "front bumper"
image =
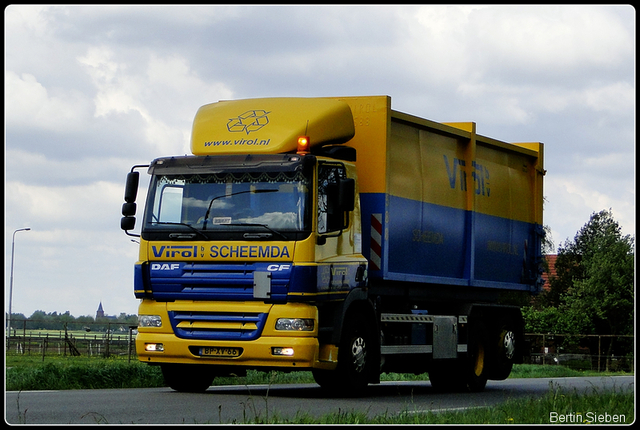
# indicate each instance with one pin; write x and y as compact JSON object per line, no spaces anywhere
{"x":264,"y":351}
{"x":256,"y":353}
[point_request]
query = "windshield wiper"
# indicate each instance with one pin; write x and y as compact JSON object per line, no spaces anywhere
{"x":206,"y":214}
{"x":256,"y":225}
{"x":178,"y":235}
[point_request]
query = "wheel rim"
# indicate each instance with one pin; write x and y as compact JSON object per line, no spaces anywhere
{"x":479,"y":362}
{"x":509,"y":343}
{"x":359,"y":354}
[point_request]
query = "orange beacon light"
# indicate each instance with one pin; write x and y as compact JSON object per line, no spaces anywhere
{"x":303,"y":145}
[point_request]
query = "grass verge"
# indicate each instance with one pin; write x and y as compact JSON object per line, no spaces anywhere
{"x":82,"y":374}
{"x":68,"y":373}
{"x":557,"y":406}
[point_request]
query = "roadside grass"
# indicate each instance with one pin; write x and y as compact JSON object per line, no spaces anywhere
{"x":80,"y":373}
{"x":69,"y":373}
{"x":556,"y":406}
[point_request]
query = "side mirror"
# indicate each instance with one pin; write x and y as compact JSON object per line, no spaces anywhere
{"x":347,"y":194}
{"x":129,"y":209}
{"x":131,"y":187}
{"x":127,"y":223}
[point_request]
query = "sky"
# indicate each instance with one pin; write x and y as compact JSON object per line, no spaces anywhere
{"x":90,"y":91}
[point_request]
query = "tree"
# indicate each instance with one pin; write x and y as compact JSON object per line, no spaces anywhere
{"x":593,"y":289}
{"x":606,"y":290}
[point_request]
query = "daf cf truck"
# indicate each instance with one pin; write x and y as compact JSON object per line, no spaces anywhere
{"x":337,"y":236}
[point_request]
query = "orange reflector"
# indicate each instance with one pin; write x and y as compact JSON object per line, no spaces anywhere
{"x":303,"y":145}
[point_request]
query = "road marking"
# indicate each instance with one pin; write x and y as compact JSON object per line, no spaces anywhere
{"x":435,"y":411}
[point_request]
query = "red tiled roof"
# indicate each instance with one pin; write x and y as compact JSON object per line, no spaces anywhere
{"x":551,"y":272}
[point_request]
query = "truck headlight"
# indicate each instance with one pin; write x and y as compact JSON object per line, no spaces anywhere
{"x":149,"y":321}
{"x":157,"y":347}
{"x":279,"y":350}
{"x":295,"y":324}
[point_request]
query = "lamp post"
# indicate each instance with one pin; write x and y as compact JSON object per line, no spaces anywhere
{"x":13,"y":240}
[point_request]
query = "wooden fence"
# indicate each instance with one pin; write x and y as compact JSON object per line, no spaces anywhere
{"x":581,"y":352}
{"x":116,"y":339}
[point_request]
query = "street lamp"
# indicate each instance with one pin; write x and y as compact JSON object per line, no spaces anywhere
{"x":13,"y":240}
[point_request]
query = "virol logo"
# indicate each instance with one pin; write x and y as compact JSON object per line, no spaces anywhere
{"x":252,"y":120}
{"x":174,"y":251}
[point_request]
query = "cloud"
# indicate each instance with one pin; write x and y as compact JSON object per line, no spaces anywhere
{"x":543,"y":42}
{"x":82,"y":207}
{"x":615,"y":98}
{"x":157,"y":93}
{"x":570,"y":203}
{"x":30,"y":104}
{"x":91,"y":91}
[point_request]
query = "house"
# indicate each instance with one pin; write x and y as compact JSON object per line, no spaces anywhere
{"x":551,"y":270}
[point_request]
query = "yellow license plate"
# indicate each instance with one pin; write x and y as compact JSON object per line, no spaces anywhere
{"x":220,"y":352}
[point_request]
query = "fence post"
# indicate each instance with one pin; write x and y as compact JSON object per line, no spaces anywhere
{"x":106,"y":339}
{"x":24,"y":335}
{"x":129,"y":345}
{"x":44,"y":347}
{"x":599,"y":351}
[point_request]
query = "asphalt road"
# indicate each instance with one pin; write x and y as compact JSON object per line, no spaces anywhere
{"x":241,"y":404}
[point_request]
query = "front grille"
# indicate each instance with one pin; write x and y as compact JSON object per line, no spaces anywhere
{"x":213,"y":281}
{"x":217,"y":325}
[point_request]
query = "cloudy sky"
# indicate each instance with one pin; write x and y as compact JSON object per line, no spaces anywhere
{"x":90,"y":91}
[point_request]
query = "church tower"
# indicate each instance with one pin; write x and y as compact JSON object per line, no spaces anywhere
{"x":100,"y":312}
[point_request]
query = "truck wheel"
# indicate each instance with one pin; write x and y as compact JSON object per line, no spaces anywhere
{"x":445,"y":376}
{"x":505,"y":353}
{"x":478,"y":353}
{"x":188,"y":378}
{"x":464,"y":374}
{"x":355,"y":359}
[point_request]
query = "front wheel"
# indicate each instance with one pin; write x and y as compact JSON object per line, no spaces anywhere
{"x":190,"y":378}
{"x":355,"y":359}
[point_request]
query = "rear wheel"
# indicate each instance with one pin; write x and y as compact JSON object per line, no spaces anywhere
{"x":477,"y":366}
{"x":505,"y":353}
{"x":189,"y":378}
{"x":468,"y":373}
{"x":445,"y":376}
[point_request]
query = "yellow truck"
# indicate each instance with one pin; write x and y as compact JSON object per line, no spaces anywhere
{"x":338,"y":236}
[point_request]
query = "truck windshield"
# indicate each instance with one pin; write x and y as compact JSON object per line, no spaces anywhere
{"x":247,"y":205}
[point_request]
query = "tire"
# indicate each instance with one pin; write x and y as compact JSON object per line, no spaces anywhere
{"x":478,"y":358}
{"x":505,"y":353}
{"x":355,"y":359}
{"x":468,"y":373}
{"x":187,"y":378}
{"x":445,"y":376}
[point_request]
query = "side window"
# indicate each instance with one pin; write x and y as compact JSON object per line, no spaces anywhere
{"x":330,"y":216}
{"x":171,"y":204}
